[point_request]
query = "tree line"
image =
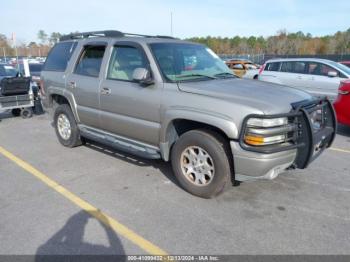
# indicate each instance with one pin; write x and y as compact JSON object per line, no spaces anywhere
{"x":282,"y":43}
{"x":33,"y":48}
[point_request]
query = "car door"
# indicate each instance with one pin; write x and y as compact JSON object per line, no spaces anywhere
{"x":292,"y":73}
{"x":320,"y":83}
{"x":129,"y":109}
{"x":84,"y":82}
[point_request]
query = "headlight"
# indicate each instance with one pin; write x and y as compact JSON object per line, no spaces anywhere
{"x":316,"y":119}
{"x":267,"y":131}
{"x":265,"y":122}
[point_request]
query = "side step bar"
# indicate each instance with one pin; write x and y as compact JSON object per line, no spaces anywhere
{"x":120,"y":143}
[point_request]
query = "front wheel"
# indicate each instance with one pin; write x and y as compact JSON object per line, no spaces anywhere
{"x":66,"y":127}
{"x":201,"y":162}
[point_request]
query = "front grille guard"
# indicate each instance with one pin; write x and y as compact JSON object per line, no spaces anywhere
{"x":308,"y":141}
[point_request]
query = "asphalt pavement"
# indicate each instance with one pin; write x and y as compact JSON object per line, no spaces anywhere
{"x":300,"y":212}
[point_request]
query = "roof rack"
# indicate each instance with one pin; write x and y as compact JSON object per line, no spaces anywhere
{"x":149,"y":36}
{"x":107,"y":33}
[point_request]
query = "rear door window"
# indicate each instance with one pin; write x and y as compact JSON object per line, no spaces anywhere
{"x":299,"y":67}
{"x":90,"y":61}
{"x":287,"y":67}
{"x":59,"y":56}
{"x":275,"y":66}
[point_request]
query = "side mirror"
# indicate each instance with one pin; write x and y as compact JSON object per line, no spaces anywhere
{"x":332,"y":74}
{"x":143,"y":76}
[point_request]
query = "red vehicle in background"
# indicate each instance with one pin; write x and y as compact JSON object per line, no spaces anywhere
{"x":342,"y":103}
{"x":346,"y":63}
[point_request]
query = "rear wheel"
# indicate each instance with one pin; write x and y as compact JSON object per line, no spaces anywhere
{"x":26,"y":112}
{"x":201,"y":163}
{"x":66,"y":127}
{"x":16,"y":112}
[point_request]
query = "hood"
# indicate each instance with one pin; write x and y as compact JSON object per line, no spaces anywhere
{"x":267,"y":97}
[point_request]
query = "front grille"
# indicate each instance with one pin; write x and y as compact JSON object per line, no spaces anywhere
{"x":313,"y":127}
{"x":317,"y":127}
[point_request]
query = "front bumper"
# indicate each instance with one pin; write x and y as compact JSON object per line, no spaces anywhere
{"x":249,"y":165}
{"x":307,"y":144}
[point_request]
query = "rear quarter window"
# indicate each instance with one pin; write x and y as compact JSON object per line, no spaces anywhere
{"x":59,"y":56}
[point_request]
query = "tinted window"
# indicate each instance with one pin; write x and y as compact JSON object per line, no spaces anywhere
{"x":59,"y":56}
{"x":293,"y":67}
{"x":299,"y":67}
{"x":35,"y":67}
{"x":124,"y":60}
{"x":287,"y":67}
{"x":273,"y":66}
{"x":90,"y":61}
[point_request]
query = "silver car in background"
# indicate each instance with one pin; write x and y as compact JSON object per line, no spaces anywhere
{"x":316,"y":76}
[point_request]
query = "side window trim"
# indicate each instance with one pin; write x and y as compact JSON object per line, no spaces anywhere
{"x":82,"y":53}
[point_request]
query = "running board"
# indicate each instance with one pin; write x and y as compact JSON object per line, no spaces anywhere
{"x":120,"y":143}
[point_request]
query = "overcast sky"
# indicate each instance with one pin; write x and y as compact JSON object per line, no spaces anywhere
{"x":190,"y":18}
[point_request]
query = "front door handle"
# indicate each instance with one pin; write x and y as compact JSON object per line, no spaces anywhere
{"x":106,"y":91}
{"x":72,"y":84}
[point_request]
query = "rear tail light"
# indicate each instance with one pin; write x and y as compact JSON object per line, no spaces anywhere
{"x":262,"y":68}
{"x":344,"y":88}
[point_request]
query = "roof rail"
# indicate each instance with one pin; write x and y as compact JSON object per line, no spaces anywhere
{"x":149,"y":36}
{"x":107,"y":33}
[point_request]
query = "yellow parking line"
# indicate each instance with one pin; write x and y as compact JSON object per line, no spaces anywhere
{"x":340,"y":150}
{"x":93,"y":211}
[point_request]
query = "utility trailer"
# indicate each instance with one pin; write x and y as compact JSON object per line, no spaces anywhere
{"x":16,"y":94}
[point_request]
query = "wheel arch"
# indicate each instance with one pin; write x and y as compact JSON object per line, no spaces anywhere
{"x":58,"y":98}
{"x":177,"y":123}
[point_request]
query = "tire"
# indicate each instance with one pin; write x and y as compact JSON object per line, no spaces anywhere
{"x":62,"y":114}
{"x":16,"y":112}
{"x":26,"y":113}
{"x":219,"y":160}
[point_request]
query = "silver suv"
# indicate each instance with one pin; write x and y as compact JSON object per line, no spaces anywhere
{"x":162,"y":98}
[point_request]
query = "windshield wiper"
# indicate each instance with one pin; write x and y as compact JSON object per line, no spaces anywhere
{"x":190,"y":75}
{"x":226,"y":75}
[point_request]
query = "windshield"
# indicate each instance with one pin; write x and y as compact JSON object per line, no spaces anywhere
{"x":188,"y":62}
{"x":342,"y":67}
{"x":6,"y":70}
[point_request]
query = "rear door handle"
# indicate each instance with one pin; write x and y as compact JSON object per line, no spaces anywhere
{"x":72,"y":84}
{"x":106,"y":91}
